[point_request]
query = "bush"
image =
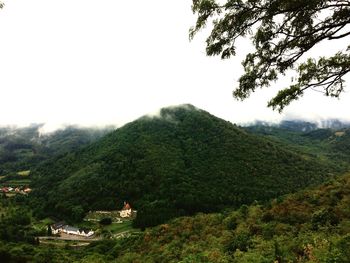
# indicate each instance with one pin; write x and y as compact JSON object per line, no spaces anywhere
{"x":324,"y":217}
{"x":240,"y":241}
{"x":106,"y":221}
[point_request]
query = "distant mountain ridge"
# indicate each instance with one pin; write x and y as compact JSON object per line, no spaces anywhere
{"x":24,"y":147}
{"x":304,"y":126}
{"x":332,"y":143}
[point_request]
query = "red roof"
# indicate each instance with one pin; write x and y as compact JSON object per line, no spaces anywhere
{"x":126,"y":206}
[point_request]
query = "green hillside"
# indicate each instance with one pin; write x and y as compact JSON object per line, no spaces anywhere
{"x":23,"y":148}
{"x":309,"y":226}
{"x":183,"y":162}
{"x":330,"y":143}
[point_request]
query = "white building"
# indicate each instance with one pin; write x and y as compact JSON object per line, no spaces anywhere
{"x":59,"y":228}
{"x":126,"y":211}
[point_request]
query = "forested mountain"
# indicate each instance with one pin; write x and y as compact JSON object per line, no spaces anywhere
{"x":309,"y":226}
{"x":332,"y":143}
{"x":23,"y":148}
{"x":308,"y":126}
{"x":302,"y":126}
{"x":179,"y":163}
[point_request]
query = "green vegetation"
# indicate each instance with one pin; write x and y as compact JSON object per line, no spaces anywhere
{"x":309,"y":226}
{"x":179,"y":165}
{"x":118,"y":228}
{"x":183,"y":162}
{"x":16,"y":223}
{"x":18,"y":182}
{"x":96,"y":216}
{"x":21,"y":149}
{"x":24,"y":173}
{"x":330,"y":143}
{"x":282,"y":33}
{"x":106,"y":221}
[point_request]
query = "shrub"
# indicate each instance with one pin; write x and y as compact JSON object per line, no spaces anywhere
{"x":106,"y":221}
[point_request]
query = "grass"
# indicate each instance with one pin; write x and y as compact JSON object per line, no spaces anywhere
{"x":24,"y":173}
{"x":17,"y":182}
{"x":88,"y":225}
{"x":63,"y":243}
{"x":42,"y":224}
{"x":3,"y":209}
{"x":116,"y":228}
{"x":98,"y":216}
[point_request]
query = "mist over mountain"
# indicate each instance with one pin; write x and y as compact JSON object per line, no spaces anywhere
{"x":331,"y":142}
{"x":303,"y":125}
{"x":22,"y":148}
{"x":172,"y":166}
{"x":178,"y":163}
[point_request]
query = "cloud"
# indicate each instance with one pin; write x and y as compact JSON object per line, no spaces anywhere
{"x":78,"y":62}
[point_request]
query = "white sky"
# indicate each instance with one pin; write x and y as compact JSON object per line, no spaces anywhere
{"x":111,"y":61}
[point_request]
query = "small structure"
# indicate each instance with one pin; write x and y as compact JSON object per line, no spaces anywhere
{"x":56,"y":228}
{"x":61,"y":227}
{"x":5,"y":190}
{"x":126,"y":211}
{"x":27,"y":190}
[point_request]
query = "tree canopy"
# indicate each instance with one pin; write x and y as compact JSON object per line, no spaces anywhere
{"x":282,"y":31}
{"x":182,"y":162}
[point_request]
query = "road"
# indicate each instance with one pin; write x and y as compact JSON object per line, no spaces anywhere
{"x":70,"y":238}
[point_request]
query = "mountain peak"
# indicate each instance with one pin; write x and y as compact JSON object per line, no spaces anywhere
{"x":182,"y":161}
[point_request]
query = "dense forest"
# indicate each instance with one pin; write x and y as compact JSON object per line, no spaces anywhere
{"x":215,"y":192}
{"x":179,"y":163}
{"x":309,"y":226}
{"x":24,"y":148}
{"x":332,"y":142}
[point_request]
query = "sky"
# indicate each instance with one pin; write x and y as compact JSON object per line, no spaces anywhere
{"x":111,"y":61}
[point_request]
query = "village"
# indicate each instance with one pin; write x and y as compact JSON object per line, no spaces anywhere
{"x":15,"y":190}
{"x":103,"y":224}
{"x":97,"y":225}
{"x":18,"y":183}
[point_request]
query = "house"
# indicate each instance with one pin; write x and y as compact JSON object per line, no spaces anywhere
{"x":126,"y":211}
{"x":61,"y":227}
{"x":27,"y":190}
{"x":57,"y":227}
{"x":71,"y":230}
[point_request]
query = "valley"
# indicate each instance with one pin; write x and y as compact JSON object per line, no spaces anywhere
{"x":184,"y":162}
{"x":184,"y":186}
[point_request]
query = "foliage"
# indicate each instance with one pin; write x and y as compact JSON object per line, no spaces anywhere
{"x":332,"y":144}
{"x":15,"y":223}
{"x":21,"y":149}
{"x":49,"y":230}
{"x":209,"y":238}
{"x":183,"y":162}
{"x":106,"y":221}
{"x":308,"y":226}
{"x":282,"y":32}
